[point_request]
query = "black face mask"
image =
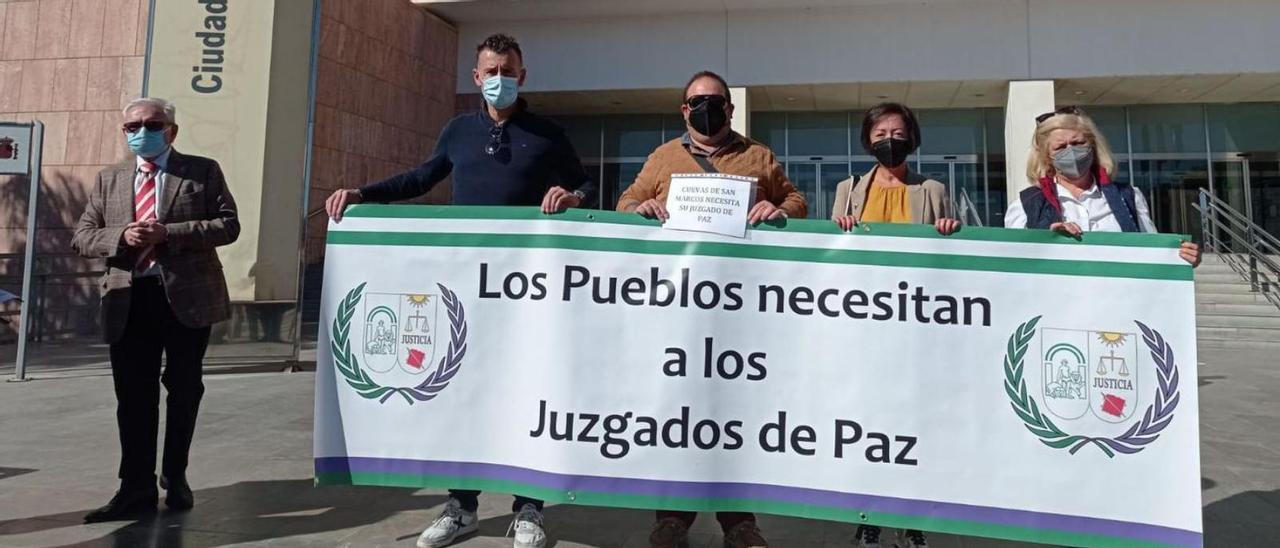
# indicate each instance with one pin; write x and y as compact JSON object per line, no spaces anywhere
{"x":891,"y":152}
{"x":707,"y":118}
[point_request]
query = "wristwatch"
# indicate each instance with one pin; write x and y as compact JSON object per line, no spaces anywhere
{"x":582,"y":196}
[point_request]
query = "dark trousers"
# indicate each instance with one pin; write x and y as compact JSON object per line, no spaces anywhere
{"x":470,"y":500}
{"x":727,"y":519}
{"x":153,"y":331}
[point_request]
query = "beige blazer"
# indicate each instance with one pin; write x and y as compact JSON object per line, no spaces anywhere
{"x":928,"y":198}
{"x":196,"y":208}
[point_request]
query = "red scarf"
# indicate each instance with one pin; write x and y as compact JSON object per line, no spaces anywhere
{"x":1049,"y":188}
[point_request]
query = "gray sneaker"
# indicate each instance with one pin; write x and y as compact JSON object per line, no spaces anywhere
{"x":528,"y":528}
{"x":453,"y":524}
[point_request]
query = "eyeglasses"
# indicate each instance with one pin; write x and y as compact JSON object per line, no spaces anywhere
{"x":495,"y":140}
{"x":715,"y":101}
{"x":1061,"y":110}
{"x":151,"y":125}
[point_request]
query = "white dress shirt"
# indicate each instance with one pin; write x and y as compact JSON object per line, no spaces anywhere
{"x":161,"y":162}
{"x":1091,"y":211}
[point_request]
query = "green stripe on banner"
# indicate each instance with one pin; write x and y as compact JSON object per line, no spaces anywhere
{"x":806,"y":226}
{"x":958,"y":527}
{"x":777,"y":253}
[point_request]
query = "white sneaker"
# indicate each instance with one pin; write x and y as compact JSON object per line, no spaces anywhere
{"x":453,"y":523}
{"x":911,"y":538}
{"x":868,"y":536}
{"x":528,"y":528}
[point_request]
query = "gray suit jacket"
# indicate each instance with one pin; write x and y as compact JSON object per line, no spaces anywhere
{"x":926,"y":197}
{"x":197,"y":210}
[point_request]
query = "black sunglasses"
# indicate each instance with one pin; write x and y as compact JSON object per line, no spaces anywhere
{"x":495,"y":140}
{"x":151,"y":125}
{"x":716,"y":101}
{"x":1062,"y":110}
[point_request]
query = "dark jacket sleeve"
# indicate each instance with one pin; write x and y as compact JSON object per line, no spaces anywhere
{"x":223,"y":226}
{"x":419,"y":180}
{"x":572,"y":175}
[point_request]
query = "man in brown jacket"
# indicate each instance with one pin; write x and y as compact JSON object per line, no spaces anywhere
{"x":156,"y":220}
{"x":710,"y":145}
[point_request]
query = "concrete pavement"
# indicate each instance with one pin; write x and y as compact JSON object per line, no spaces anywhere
{"x":251,"y":470}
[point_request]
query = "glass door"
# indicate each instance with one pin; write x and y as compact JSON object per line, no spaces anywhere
{"x":817,"y":180}
{"x":1231,"y":182}
{"x":804,"y":175}
{"x":1171,"y":185}
{"x":1264,"y":191}
{"x":968,"y":195}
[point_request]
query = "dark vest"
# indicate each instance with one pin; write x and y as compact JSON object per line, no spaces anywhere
{"x":1119,"y":196}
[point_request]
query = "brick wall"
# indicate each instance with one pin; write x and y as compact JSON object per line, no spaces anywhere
{"x":385,"y":88}
{"x":71,"y":64}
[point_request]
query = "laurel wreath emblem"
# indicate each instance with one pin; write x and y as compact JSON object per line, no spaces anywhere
{"x":359,"y":380}
{"x":1157,"y":417}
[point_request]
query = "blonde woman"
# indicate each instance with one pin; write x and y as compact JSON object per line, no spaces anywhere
{"x":1070,"y":167}
{"x":890,"y":193}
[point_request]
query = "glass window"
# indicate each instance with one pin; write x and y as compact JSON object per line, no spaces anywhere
{"x":631,"y":135}
{"x":1244,"y":128}
{"x":672,"y":126}
{"x":584,"y":133}
{"x":770,"y":128}
{"x":1110,"y":121}
{"x":617,"y":177}
{"x":1171,"y":187}
{"x":950,"y":131}
{"x":994,"y":118}
{"x":1167,"y":129}
{"x":817,"y":134}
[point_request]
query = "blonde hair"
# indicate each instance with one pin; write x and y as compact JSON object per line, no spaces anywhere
{"x":1039,"y":162}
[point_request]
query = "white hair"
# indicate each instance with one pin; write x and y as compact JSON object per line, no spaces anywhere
{"x":170,"y":111}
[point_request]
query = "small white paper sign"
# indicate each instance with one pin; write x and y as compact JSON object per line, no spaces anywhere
{"x":710,"y":202}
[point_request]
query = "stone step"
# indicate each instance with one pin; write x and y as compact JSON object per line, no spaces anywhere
{"x":1218,"y":288}
{"x":1238,"y":334}
{"x":1224,"y":320}
{"x":1206,"y":346}
{"x":1226,"y":277}
{"x":1208,"y":308}
{"x":1231,"y":298}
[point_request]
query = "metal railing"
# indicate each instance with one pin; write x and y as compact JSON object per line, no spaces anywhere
{"x":966,"y":210}
{"x":1246,"y":247}
{"x":53,"y":281}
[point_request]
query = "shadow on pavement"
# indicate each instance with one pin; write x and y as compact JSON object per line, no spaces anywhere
{"x":584,"y":525}
{"x":246,"y":512}
{"x":1244,"y":519}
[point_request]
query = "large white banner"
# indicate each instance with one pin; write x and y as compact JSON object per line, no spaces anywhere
{"x":1002,"y":383}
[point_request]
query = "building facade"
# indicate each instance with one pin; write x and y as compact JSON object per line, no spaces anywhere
{"x":314,"y":95}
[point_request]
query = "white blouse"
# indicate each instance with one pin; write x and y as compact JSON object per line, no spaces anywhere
{"x":1091,"y":211}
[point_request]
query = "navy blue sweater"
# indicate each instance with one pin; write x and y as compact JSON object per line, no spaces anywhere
{"x":533,"y":155}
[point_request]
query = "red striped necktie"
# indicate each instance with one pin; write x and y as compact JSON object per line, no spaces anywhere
{"x":144,"y":209}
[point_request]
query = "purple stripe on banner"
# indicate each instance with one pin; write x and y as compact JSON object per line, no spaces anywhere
{"x":797,"y":495}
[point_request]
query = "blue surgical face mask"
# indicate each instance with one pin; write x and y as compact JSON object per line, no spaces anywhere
{"x":500,"y":91}
{"x":147,"y":143}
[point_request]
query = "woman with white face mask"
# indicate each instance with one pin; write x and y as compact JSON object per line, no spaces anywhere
{"x":1070,"y":168}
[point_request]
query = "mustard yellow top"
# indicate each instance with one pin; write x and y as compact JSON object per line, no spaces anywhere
{"x":887,"y":205}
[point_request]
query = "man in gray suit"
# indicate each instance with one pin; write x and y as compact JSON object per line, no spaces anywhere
{"x":156,"y":220}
